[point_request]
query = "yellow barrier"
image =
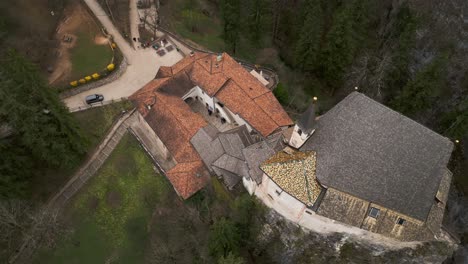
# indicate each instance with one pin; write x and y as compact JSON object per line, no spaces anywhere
{"x":88,"y":78}
{"x":74,"y":83}
{"x":95,"y":76}
{"x":82,"y":81}
{"x":114,"y":45}
{"x":111,"y":67}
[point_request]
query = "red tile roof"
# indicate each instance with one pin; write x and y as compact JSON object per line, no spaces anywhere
{"x":222,"y":79}
{"x":239,"y":102}
{"x":175,"y":123}
{"x":164,"y":71}
{"x":188,"y":177}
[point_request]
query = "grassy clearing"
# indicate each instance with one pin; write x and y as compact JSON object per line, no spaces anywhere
{"x":95,"y":123}
{"x":129,"y":214}
{"x":87,"y":57}
{"x":111,"y":215}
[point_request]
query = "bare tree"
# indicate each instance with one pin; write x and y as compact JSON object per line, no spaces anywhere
{"x":21,"y":223}
{"x":151,"y":17}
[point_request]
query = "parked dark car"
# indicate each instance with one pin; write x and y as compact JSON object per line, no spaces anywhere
{"x":94,"y":98}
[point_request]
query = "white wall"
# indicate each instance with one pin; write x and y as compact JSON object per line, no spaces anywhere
{"x":197,"y":91}
{"x":283,"y":203}
{"x":250,"y":185}
{"x":297,"y":140}
{"x":239,"y":120}
{"x":206,"y":99}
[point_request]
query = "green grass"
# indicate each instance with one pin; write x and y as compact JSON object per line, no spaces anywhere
{"x":95,"y":123}
{"x":87,"y":57}
{"x":111,"y":215}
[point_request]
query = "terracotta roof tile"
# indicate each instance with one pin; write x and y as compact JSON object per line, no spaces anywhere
{"x":188,"y":178}
{"x":251,"y":86}
{"x":186,"y":61}
{"x":273,"y":109}
{"x":211,"y":83}
{"x":175,"y":123}
{"x":145,"y":95}
{"x":164,"y":71}
{"x":238,"y":102}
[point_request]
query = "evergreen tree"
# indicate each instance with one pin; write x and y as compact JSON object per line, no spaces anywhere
{"x":255,"y":16}
{"x":45,"y":135}
{"x":421,"y":91}
{"x":224,"y":238}
{"x":454,"y":124}
{"x":340,"y":47}
{"x":281,"y":93}
{"x":349,"y":28}
{"x":308,"y":45}
{"x":231,"y":19}
{"x":403,"y":34}
{"x":15,"y":169}
{"x":231,"y":259}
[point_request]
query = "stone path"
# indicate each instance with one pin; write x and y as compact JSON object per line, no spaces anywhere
{"x":95,"y":162}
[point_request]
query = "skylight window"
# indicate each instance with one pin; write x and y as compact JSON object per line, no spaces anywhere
{"x":400,"y":221}
{"x":374,"y":212}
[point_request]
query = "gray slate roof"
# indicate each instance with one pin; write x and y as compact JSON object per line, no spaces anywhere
{"x":259,"y":152}
{"x":222,"y":152}
{"x":307,"y":121}
{"x":207,"y":145}
{"x":232,"y":164}
{"x":374,"y":153}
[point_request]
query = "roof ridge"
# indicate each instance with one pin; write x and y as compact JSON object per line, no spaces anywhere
{"x":175,"y":116}
{"x":223,"y":85}
{"x":404,"y":117}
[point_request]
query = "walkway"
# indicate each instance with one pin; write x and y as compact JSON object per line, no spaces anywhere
{"x":143,"y":64}
{"x":101,"y":154}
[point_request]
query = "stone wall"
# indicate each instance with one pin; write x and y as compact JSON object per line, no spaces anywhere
{"x":274,"y":197}
{"x":343,"y":207}
{"x":153,"y":144}
{"x":353,"y":211}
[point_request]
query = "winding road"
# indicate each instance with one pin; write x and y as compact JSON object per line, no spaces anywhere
{"x":142,"y":67}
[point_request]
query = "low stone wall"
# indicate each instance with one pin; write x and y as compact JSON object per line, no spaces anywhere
{"x":107,"y":79}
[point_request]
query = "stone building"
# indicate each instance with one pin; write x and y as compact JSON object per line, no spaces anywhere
{"x":376,"y":170}
{"x":198,"y":115}
{"x":361,"y":163}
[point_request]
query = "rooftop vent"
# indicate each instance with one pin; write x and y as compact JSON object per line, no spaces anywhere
{"x":219,"y":57}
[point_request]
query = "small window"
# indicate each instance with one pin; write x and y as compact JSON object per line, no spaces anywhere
{"x":299,"y":132}
{"x":221,"y":104}
{"x":400,"y":221}
{"x":278,"y":192}
{"x":271,"y":197}
{"x":374,"y":212}
{"x":308,"y":212}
